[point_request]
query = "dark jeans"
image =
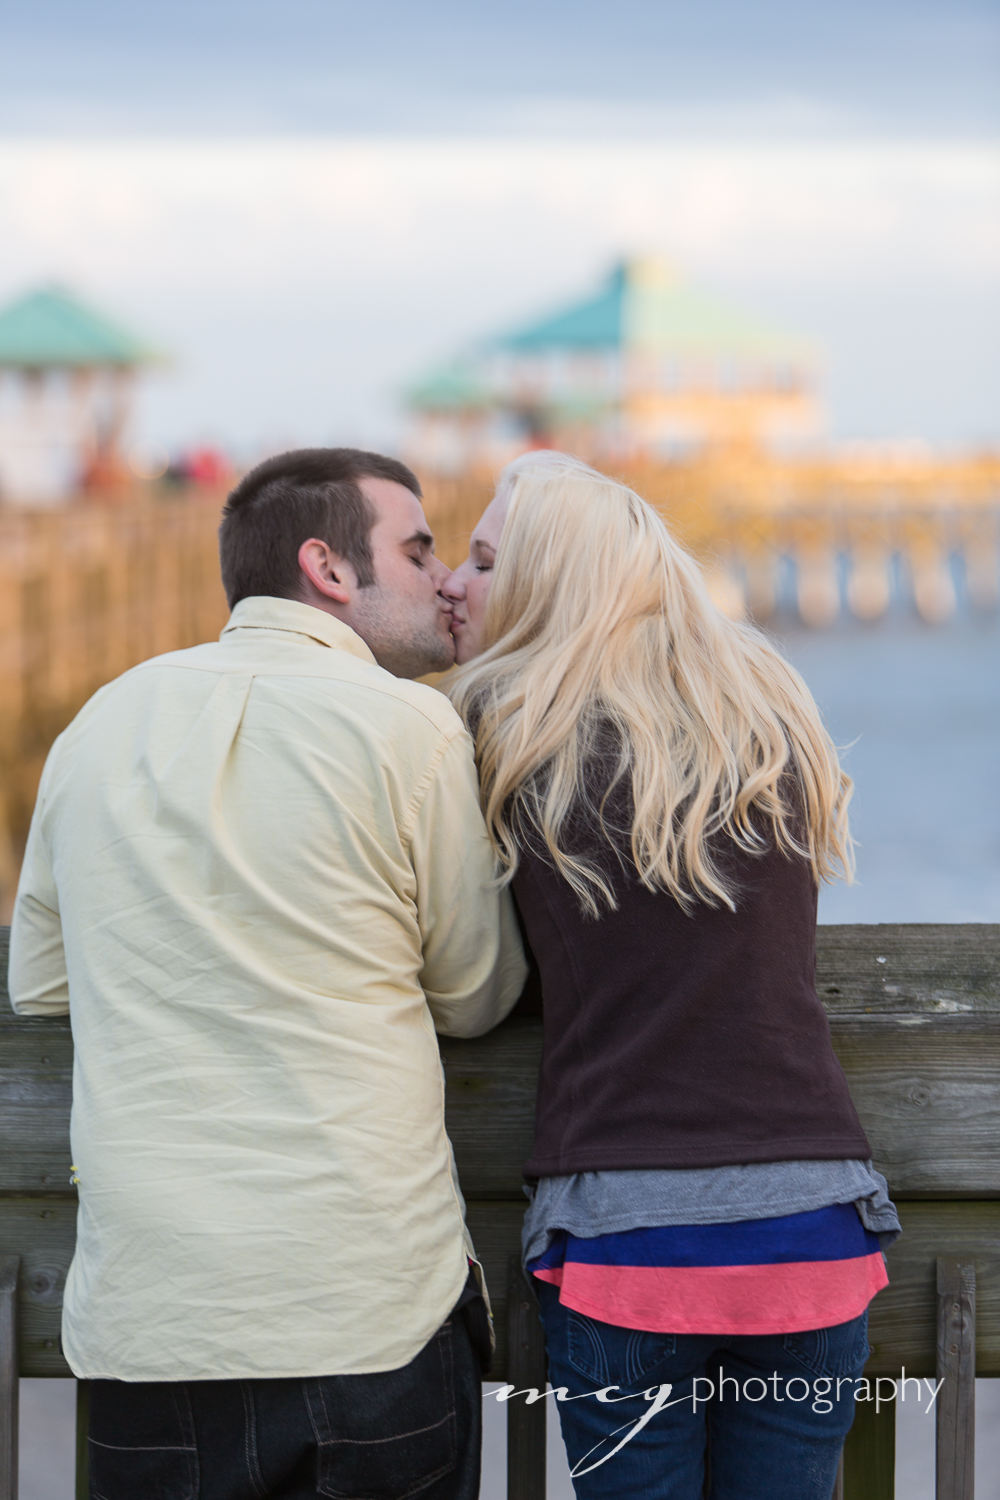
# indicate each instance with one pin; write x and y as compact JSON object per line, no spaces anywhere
{"x":768,"y":1432}
{"x":416,"y":1431}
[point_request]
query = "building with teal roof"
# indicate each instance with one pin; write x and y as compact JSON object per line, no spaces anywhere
{"x":67,"y":374}
{"x":647,"y":366}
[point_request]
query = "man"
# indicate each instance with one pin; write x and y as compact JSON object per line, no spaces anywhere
{"x":258,"y":878}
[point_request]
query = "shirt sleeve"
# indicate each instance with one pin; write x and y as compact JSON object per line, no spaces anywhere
{"x":474,"y":968}
{"x":37,"y":975}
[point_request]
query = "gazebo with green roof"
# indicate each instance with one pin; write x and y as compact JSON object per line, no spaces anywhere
{"x":73,"y":369}
{"x":648,"y":363}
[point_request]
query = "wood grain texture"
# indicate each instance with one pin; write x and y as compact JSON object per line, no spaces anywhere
{"x":43,"y":1233}
{"x":9,"y":1386}
{"x":933,"y":969}
{"x":526,"y":1425}
{"x":956,"y":1367}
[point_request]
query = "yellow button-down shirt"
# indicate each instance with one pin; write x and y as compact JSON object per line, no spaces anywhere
{"x":258,"y":878}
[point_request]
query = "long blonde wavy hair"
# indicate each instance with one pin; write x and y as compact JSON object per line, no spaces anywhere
{"x":599,"y":631}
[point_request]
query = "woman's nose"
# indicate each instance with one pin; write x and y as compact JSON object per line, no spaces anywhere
{"x":453,"y":587}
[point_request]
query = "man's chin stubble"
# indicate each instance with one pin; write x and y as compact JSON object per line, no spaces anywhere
{"x":396,"y":645}
{"x":415,"y":657}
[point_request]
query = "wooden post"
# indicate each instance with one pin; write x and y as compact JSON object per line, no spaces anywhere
{"x":8,"y":1377}
{"x":869,"y":1462}
{"x":956,"y":1366}
{"x":82,"y":1445}
{"x":525,"y":1368}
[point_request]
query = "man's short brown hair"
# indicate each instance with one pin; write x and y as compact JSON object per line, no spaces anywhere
{"x":288,"y":499}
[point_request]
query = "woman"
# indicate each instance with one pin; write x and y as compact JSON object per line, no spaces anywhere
{"x":664,"y":800}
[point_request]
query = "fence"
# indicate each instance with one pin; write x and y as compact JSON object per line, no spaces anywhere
{"x":86,"y":593}
{"x":915,"y":1016}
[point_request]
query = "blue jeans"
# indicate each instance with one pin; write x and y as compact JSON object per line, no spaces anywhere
{"x":757,"y":1403}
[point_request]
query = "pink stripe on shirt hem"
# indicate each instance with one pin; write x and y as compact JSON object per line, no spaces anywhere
{"x":753,"y":1300}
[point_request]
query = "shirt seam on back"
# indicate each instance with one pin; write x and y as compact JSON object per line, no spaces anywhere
{"x":449,"y":731}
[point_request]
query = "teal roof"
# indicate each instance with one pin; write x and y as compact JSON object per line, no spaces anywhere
{"x":451,"y":388}
{"x":50,"y":328}
{"x":643,"y":306}
{"x":594,"y":324}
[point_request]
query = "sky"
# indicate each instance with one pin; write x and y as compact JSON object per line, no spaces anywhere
{"x":305,"y":204}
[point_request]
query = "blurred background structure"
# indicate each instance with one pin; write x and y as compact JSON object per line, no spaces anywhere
{"x":648,"y":368}
{"x":66,"y":382}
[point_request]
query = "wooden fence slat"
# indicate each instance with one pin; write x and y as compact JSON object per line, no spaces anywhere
{"x":870,"y":1453}
{"x":9,"y":1376}
{"x":956,"y":1366}
{"x":82,"y":1443}
{"x":526,"y":1368}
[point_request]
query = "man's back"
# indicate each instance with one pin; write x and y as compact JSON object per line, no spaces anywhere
{"x":261,"y":856}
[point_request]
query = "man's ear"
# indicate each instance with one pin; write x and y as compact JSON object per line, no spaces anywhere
{"x":330,"y":575}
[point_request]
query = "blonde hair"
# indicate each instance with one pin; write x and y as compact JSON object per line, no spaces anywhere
{"x":599,"y":632}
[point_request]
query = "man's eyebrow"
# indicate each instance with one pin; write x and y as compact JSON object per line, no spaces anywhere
{"x":422,"y":538}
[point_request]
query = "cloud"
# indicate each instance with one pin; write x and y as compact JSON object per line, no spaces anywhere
{"x":353,"y":261}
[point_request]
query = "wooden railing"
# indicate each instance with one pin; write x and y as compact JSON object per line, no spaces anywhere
{"x":915,"y":1015}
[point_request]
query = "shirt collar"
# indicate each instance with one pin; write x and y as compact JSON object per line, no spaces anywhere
{"x":262,"y":612}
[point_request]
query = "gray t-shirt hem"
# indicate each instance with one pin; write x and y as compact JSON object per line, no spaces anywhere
{"x":587,"y":1204}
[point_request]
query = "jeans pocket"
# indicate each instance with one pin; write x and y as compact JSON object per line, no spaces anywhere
{"x":141,"y":1441}
{"x":386,"y":1436}
{"x":614,"y":1356}
{"x":839,"y":1350}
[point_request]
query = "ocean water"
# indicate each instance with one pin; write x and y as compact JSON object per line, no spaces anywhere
{"x":917,"y":710}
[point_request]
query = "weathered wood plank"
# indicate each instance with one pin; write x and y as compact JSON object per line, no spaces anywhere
{"x":43,"y":1233}
{"x":903,"y":1319}
{"x":931,"y":968}
{"x":928,"y":1095}
{"x":496,"y":1233}
{"x":956,"y":1367}
{"x":929,"y":1099}
{"x":527,"y":1370}
{"x":9,"y":1387}
{"x":918,"y":1035}
{"x":82,"y":1443}
{"x":870,"y":1454}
